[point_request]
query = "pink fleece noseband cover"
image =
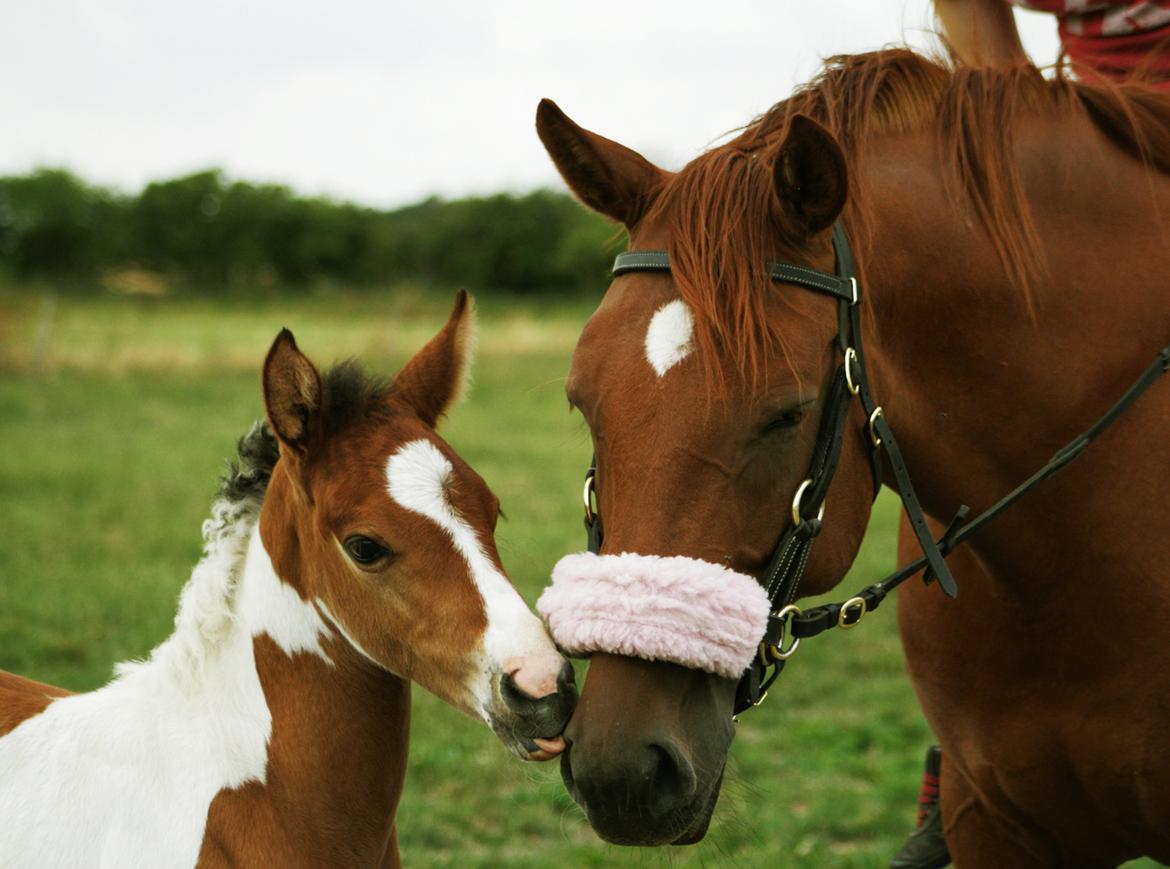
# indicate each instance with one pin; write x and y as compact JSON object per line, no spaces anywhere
{"x":684,"y":610}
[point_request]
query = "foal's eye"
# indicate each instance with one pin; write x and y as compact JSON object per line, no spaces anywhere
{"x":784,"y":419}
{"x":363,"y":550}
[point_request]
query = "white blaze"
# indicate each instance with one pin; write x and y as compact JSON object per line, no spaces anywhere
{"x":668,"y":340}
{"x":417,"y":478}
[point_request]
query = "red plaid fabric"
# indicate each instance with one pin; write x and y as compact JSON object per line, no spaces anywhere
{"x":1113,"y":39}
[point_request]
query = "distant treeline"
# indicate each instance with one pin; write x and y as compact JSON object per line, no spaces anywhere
{"x":206,"y":232}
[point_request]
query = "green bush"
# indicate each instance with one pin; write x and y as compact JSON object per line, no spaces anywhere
{"x":54,"y":225}
{"x":204,"y":231}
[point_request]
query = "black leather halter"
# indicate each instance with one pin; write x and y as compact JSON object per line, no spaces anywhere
{"x":782,"y":576}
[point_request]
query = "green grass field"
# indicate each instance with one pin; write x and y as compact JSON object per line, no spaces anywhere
{"x":114,"y":425}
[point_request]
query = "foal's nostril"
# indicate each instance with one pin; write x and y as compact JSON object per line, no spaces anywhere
{"x":567,"y":683}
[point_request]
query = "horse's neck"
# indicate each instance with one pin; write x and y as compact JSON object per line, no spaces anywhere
{"x":339,"y":732}
{"x":980,"y":392}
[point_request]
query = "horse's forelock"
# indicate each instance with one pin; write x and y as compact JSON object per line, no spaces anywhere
{"x":719,"y":214}
{"x":719,"y":208}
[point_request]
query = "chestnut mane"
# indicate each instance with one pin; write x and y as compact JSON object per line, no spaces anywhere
{"x":720,"y":209}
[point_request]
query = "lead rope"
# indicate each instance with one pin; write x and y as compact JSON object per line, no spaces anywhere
{"x":819,"y":619}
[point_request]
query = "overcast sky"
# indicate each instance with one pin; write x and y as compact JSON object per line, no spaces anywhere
{"x":385,"y":102}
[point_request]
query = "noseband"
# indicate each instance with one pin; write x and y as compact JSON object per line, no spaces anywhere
{"x":781,"y":578}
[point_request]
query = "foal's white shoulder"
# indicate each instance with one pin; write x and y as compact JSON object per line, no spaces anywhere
{"x":100,"y":779}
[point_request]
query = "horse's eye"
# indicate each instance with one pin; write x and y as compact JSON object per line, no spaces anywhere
{"x":363,"y":550}
{"x":783,"y":420}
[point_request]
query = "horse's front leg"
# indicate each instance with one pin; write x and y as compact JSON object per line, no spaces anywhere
{"x":980,"y":837}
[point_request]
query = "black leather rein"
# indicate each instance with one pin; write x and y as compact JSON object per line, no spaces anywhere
{"x":782,"y":576}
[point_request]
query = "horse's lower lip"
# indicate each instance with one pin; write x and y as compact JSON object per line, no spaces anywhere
{"x":553,"y":746}
{"x":648,"y":836}
{"x":684,"y":826}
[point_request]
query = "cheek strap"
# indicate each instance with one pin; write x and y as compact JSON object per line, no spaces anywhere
{"x":684,"y":610}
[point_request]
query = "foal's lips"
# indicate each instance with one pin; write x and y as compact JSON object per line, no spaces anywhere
{"x":546,"y":749}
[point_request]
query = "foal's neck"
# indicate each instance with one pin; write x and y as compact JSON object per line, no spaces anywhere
{"x":338,"y":747}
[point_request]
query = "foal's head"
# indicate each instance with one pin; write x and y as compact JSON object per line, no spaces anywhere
{"x":373,"y":518}
{"x":703,"y":389}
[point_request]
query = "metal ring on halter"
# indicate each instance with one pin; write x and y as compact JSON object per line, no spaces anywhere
{"x":852,"y":603}
{"x":850,"y":360}
{"x":796,"y":517}
{"x":873,"y":418}
{"x":589,"y":514}
{"x":770,"y":653}
{"x":853,"y":287}
{"x":778,"y":650}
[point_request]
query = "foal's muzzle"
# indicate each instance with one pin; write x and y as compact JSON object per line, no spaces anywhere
{"x":532,"y":726}
{"x":684,"y":610}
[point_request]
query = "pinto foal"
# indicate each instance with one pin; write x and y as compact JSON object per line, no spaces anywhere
{"x":352,"y":554}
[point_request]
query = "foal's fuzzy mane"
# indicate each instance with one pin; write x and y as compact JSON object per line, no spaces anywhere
{"x":720,"y":209}
{"x":206,"y":612}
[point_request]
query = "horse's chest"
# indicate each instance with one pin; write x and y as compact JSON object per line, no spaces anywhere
{"x":1095,"y":783}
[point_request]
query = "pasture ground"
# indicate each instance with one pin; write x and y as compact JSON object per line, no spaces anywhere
{"x":114,"y":425}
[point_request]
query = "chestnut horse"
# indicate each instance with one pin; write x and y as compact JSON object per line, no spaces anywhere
{"x":351,"y":555}
{"x":1013,"y":239}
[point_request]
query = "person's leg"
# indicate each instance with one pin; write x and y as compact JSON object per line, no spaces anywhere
{"x":926,"y":848}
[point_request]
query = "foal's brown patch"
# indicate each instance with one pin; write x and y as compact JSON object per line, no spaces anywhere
{"x":21,"y":699}
{"x":335,"y":771}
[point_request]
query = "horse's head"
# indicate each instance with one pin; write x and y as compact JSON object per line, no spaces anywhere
{"x":374,"y":518}
{"x":703,"y":388}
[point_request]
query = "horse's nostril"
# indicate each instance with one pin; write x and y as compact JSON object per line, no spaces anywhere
{"x":669,"y":777}
{"x":656,"y":780}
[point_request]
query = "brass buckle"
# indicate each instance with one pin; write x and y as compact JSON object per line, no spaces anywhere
{"x":873,"y":418}
{"x":796,"y":517}
{"x":850,"y":361}
{"x":590,"y":515}
{"x":850,"y":604}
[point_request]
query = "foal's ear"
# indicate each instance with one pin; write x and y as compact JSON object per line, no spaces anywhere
{"x":292,"y":393}
{"x":436,"y":378}
{"x":606,"y":176}
{"x":810,"y":176}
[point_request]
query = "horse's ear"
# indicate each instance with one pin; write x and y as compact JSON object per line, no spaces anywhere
{"x":292,"y":394}
{"x":606,"y":176}
{"x":436,"y":378}
{"x":810,"y":175}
